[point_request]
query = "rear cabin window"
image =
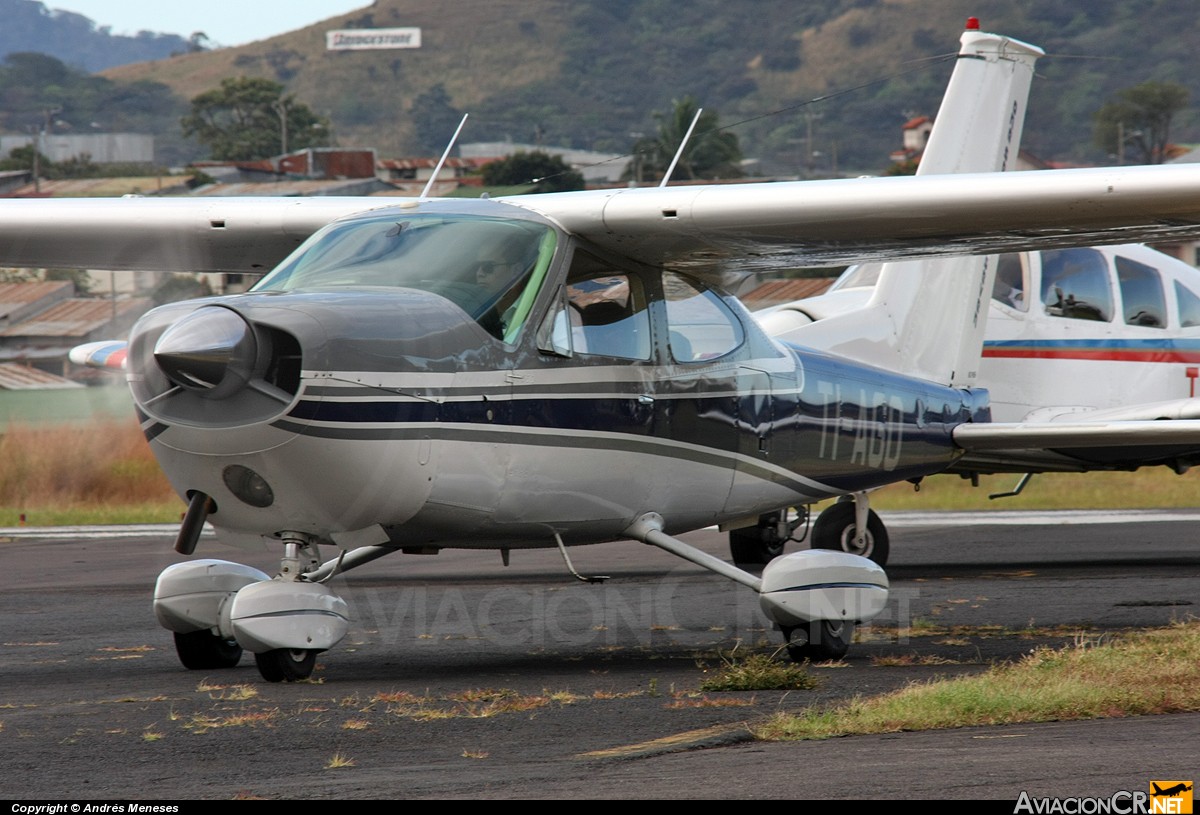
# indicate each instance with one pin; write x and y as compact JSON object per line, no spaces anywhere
{"x":1075,"y":285}
{"x":1012,"y":281}
{"x":700,"y":326}
{"x":1189,"y":305}
{"x":608,"y":310}
{"x":1142,"y":297}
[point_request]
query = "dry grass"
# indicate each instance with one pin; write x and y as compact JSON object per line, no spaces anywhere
{"x":691,"y":701}
{"x":481,"y":703}
{"x":339,"y":761}
{"x":755,"y":671}
{"x":80,"y":468}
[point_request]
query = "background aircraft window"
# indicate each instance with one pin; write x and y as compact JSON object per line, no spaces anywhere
{"x":608,"y":316}
{"x":1142,"y":297}
{"x":1189,"y":305}
{"x":1075,"y":284}
{"x":1011,"y":282}
{"x":700,"y":326}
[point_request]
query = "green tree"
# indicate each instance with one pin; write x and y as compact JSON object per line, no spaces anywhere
{"x":710,"y":153}
{"x":545,"y":172}
{"x":250,"y":118}
{"x":434,"y":119}
{"x":21,"y":158}
{"x":1137,"y":123}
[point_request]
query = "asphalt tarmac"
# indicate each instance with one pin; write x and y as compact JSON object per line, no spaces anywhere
{"x":463,"y":678}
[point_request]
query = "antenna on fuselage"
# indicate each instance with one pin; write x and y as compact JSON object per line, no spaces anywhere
{"x":442,"y":160}
{"x":682,"y":144}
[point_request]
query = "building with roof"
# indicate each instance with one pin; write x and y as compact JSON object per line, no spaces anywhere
{"x":596,"y":168}
{"x":40,"y":322}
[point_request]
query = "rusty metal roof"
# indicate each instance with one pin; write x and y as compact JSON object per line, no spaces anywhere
{"x":105,"y":187}
{"x":15,"y":296}
{"x":293,"y":187}
{"x":16,"y":377}
{"x":775,"y":292}
{"x":76,"y":317}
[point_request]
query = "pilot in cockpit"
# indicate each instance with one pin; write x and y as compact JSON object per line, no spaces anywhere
{"x":499,"y":286}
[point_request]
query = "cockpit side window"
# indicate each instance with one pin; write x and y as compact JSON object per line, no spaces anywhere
{"x":1189,"y":306}
{"x":1075,"y":285}
{"x":607,"y":309}
{"x":700,"y":326}
{"x":1142,"y":296}
{"x":1012,"y":281}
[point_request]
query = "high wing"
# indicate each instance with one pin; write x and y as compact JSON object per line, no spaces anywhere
{"x":756,"y":227}
{"x":713,"y":230}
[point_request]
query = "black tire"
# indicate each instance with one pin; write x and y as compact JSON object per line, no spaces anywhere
{"x":204,"y":651}
{"x":286,"y":664}
{"x":751,"y":546}
{"x":834,"y":529}
{"x":826,"y":640}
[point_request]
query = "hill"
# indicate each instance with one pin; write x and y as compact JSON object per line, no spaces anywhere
{"x":592,"y":74}
{"x":75,"y":39}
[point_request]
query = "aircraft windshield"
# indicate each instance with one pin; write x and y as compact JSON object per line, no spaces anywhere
{"x":489,"y":267}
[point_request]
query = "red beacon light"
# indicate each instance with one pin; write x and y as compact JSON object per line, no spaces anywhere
{"x":972,"y":24}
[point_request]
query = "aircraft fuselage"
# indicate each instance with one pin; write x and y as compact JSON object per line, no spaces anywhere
{"x":375,"y":409}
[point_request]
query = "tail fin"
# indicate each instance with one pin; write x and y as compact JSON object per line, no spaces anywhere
{"x":926,"y":317}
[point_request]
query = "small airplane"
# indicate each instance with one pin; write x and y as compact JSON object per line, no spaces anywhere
{"x":1171,"y":791}
{"x":565,"y":369}
{"x":1100,"y":333}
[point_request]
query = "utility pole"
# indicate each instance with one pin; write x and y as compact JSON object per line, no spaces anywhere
{"x":280,"y":107}
{"x":38,"y":136}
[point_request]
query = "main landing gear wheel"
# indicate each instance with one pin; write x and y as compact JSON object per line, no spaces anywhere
{"x":819,"y":641}
{"x":835,"y":529}
{"x":204,"y":651}
{"x":286,"y":664}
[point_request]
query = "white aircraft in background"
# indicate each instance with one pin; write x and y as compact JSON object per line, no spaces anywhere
{"x":565,"y":369}
{"x":1102,"y":333}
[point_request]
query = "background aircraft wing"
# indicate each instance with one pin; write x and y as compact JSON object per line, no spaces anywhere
{"x":715,"y":230}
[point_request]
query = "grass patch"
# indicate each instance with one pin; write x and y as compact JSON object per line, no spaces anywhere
{"x":1148,"y":672}
{"x":1149,"y":488}
{"x":86,"y":472}
{"x":339,"y":761}
{"x":911,"y":660}
{"x":481,"y":703}
{"x":692,"y":702}
{"x":756,"y":672}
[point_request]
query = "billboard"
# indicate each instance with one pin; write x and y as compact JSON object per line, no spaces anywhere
{"x":366,"y":39}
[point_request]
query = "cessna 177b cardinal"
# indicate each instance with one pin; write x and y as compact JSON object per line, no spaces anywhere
{"x":564,"y":369}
